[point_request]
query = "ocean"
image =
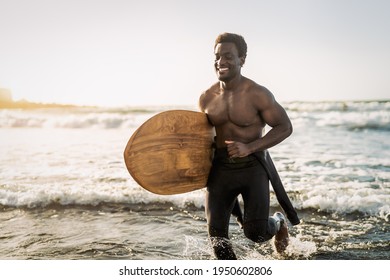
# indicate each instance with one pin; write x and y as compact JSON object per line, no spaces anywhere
{"x":65,"y":192}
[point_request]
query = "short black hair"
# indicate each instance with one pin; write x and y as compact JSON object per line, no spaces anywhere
{"x":238,"y":40}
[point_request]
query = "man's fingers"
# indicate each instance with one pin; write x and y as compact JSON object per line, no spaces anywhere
{"x":229,"y":145}
{"x":236,"y":149}
{"x":231,"y":148}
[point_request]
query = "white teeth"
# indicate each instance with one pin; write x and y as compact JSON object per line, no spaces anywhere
{"x":223,"y":69}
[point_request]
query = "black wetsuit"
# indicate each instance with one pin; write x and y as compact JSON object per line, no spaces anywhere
{"x":248,"y":176}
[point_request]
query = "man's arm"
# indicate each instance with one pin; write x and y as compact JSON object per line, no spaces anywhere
{"x":276,"y":117}
{"x":273,"y":115}
{"x":201,"y":103}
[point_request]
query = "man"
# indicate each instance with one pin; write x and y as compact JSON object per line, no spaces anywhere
{"x":239,"y":109}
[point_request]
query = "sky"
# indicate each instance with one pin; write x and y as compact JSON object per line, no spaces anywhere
{"x":138,"y":53}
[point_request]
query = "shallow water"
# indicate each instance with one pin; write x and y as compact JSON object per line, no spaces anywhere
{"x":147,"y":232}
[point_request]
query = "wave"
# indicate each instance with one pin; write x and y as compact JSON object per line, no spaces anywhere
{"x":49,"y":196}
{"x":367,"y":120}
{"x":338,"y":106}
{"x":366,"y":202}
{"x":103,"y":118}
{"x":76,"y":120}
{"x":373,"y":115}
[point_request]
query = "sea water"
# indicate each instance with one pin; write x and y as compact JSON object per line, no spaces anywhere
{"x":65,"y":192}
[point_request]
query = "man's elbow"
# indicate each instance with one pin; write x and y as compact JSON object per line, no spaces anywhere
{"x":289,"y":129}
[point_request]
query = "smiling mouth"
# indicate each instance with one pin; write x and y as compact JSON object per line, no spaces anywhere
{"x":223,"y":70}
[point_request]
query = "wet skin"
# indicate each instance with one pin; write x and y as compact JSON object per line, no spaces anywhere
{"x":239,"y":108}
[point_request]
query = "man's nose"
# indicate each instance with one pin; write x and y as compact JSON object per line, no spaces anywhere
{"x":219,"y":61}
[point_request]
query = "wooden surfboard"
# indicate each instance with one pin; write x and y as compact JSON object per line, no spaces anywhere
{"x":171,"y":152}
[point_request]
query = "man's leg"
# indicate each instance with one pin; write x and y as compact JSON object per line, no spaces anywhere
{"x":258,"y":226}
{"x":281,"y":237}
{"x":237,"y":213}
{"x":218,"y":210}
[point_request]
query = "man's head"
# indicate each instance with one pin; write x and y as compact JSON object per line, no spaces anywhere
{"x":236,"y":39}
{"x":230,"y":53}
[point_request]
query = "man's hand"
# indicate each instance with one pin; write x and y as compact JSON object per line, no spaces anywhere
{"x":237,"y":149}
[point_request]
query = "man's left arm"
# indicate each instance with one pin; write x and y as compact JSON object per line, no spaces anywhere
{"x":274,"y":115}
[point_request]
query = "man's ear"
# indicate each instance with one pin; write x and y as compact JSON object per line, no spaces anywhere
{"x":242,"y":61}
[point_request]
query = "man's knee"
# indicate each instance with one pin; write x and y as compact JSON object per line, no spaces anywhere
{"x":254,"y":235}
{"x":257,"y":231}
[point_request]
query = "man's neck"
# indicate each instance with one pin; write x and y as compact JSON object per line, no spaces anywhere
{"x":231,"y":84}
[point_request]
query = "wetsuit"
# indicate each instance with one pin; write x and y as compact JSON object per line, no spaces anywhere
{"x":248,"y":176}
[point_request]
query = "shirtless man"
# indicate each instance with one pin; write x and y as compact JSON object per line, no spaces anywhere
{"x":239,"y":109}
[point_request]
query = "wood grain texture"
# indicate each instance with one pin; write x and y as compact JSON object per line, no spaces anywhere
{"x":171,"y":152}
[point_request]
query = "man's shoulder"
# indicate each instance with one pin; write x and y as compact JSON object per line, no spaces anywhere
{"x":259,"y":95}
{"x":257,"y":89}
{"x":207,"y":95}
{"x":212,"y":89}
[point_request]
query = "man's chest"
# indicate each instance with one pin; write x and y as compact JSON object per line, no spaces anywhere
{"x":232,"y":109}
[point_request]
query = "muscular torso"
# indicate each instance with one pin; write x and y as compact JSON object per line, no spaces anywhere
{"x":234,"y":113}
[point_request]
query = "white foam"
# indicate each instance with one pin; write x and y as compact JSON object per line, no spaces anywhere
{"x":356,"y":120}
{"x":355,"y":198}
{"x":342,"y":106}
{"x":353,"y":115}
{"x":70,"y":119}
{"x":300,"y":247}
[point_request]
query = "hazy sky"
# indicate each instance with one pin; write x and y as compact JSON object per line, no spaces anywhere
{"x":124,"y":52}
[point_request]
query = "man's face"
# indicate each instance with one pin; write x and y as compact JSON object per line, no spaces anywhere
{"x":227,"y":62}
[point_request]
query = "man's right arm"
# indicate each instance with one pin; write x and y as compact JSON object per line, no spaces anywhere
{"x":202,"y":102}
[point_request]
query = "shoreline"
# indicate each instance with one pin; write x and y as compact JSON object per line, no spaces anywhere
{"x":23,"y":104}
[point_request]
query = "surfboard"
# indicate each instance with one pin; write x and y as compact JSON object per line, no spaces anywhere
{"x":171,"y":152}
